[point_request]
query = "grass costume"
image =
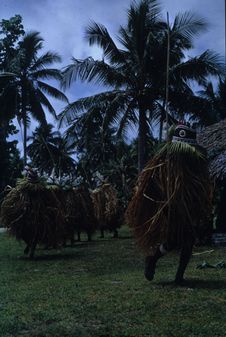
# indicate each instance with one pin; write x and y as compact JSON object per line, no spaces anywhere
{"x":173,"y":195}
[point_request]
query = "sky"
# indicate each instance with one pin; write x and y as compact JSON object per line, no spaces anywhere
{"x":62,"y":23}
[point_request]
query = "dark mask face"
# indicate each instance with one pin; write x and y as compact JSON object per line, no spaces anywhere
{"x":184,"y":133}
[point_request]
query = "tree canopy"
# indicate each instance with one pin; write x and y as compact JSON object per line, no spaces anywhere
{"x":134,"y":70}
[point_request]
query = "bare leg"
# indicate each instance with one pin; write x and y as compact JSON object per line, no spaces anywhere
{"x":72,"y":240}
{"x":79,"y":235}
{"x":115,"y":235}
{"x":32,"y":252}
{"x":185,"y":256}
{"x":150,"y":263}
{"x":101,"y":233}
{"x":26,"y":250}
{"x":89,"y":236}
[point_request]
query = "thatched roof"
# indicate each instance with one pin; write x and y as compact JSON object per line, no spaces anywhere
{"x":213,"y":138}
{"x":218,"y":166}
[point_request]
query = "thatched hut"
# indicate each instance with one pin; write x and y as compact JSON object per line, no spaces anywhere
{"x":213,"y":139}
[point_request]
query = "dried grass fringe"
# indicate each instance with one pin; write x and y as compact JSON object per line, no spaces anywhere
{"x":46,"y":214}
{"x":106,"y":206}
{"x":152,"y":216}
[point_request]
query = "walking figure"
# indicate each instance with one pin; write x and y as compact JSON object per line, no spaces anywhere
{"x":172,"y":200}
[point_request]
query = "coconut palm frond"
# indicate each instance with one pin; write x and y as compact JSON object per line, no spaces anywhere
{"x":90,"y":70}
{"x":97,"y":34}
{"x":72,"y":110}
{"x":214,"y":62}
{"x":199,"y":67}
{"x":79,"y":69}
{"x":6,"y":74}
{"x":146,"y":11}
{"x":32,"y":41}
{"x":44,"y":101}
{"x":36,"y":107}
{"x":46,"y":59}
{"x":103,"y":74}
{"x":125,"y":39}
{"x":47,"y":74}
{"x":51,"y":91}
{"x":208,"y":92}
{"x":72,"y":135}
{"x":116,"y":105}
{"x":30,"y":45}
{"x":188,"y":25}
{"x":128,"y":119}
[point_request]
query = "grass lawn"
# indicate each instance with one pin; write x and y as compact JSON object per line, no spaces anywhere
{"x":98,"y":289}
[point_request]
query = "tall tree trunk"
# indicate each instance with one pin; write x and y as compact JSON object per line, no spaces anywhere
{"x":24,"y":119}
{"x":142,"y":138}
{"x":25,"y":141}
{"x":160,"y":128}
{"x":4,"y":155}
{"x":162,"y":117}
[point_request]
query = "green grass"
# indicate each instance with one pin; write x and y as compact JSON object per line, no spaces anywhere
{"x":98,"y":289}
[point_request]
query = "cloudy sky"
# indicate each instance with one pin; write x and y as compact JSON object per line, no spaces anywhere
{"x":62,"y":22}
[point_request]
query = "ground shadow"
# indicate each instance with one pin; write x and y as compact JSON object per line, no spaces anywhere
{"x":53,"y":256}
{"x":97,"y":241}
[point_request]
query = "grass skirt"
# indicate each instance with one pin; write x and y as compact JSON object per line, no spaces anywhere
{"x":172,"y":195}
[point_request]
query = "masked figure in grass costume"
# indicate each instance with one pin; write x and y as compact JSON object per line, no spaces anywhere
{"x":172,"y":196}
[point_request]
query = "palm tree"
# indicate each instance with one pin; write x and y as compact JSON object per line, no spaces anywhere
{"x":135,"y":72}
{"x":30,"y":72}
{"x":42,"y":146}
{"x":94,"y":144}
{"x":184,"y":70}
{"x":50,"y":152}
{"x":63,"y":155}
{"x":214,"y":102}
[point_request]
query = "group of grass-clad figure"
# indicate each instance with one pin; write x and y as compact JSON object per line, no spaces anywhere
{"x":49,"y":215}
{"x":171,"y":202}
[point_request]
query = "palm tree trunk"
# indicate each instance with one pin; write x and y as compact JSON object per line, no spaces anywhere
{"x":142,"y":144}
{"x":24,"y":119}
{"x":3,"y":142}
{"x":162,"y":117}
{"x":160,"y":128}
{"x":25,"y":142}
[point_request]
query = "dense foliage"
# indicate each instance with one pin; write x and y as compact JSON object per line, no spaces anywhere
{"x":10,"y":163}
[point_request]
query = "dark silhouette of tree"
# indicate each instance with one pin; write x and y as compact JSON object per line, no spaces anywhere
{"x":27,"y":84}
{"x":135,"y":71}
{"x":50,"y":153}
